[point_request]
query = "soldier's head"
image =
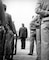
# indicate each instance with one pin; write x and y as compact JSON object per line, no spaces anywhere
{"x":22,"y":25}
{"x":4,"y":6}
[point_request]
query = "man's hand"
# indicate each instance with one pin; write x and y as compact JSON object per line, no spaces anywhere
{"x":14,"y":36}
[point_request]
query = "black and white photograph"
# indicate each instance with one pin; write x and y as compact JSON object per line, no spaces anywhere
{"x":24,"y":29}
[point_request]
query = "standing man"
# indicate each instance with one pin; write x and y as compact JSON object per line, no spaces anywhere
{"x":44,"y":14}
{"x":32,"y":36}
{"x":34,"y":33}
{"x":10,"y":34}
{"x":23,"y":35}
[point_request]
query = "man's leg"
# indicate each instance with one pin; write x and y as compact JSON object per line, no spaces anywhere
{"x":38,"y":45}
{"x":16,"y":45}
{"x":31,"y":46}
{"x":12,"y":48}
{"x":23,"y":43}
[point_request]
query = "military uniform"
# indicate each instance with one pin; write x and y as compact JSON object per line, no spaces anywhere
{"x":10,"y":34}
{"x":32,"y":36}
{"x":23,"y":36}
{"x":38,"y":38}
{"x":8,"y":45}
{"x":44,"y":13}
{"x":2,"y":31}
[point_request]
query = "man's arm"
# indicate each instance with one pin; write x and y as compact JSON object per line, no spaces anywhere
{"x":19,"y":32}
{"x":26,"y":33}
{"x":12,"y":27}
{"x":42,"y":12}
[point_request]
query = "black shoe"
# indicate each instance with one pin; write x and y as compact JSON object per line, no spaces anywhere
{"x":22,"y":48}
{"x":30,"y":54}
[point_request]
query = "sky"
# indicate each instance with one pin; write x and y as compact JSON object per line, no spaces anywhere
{"x":21,"y":12}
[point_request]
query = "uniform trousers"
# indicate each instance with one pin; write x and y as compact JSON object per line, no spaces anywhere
{"x":45,"y":41}
{"x":23,"y":43}
{"x":9,"y":45}
{"x":33,"y":38}
{"x":38,"y":46}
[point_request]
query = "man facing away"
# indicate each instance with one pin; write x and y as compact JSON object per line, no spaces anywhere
{"x":23,"y":35}
{"x":10,"y":34}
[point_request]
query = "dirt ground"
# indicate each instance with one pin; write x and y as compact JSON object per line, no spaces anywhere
{"x":22,"y":54}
